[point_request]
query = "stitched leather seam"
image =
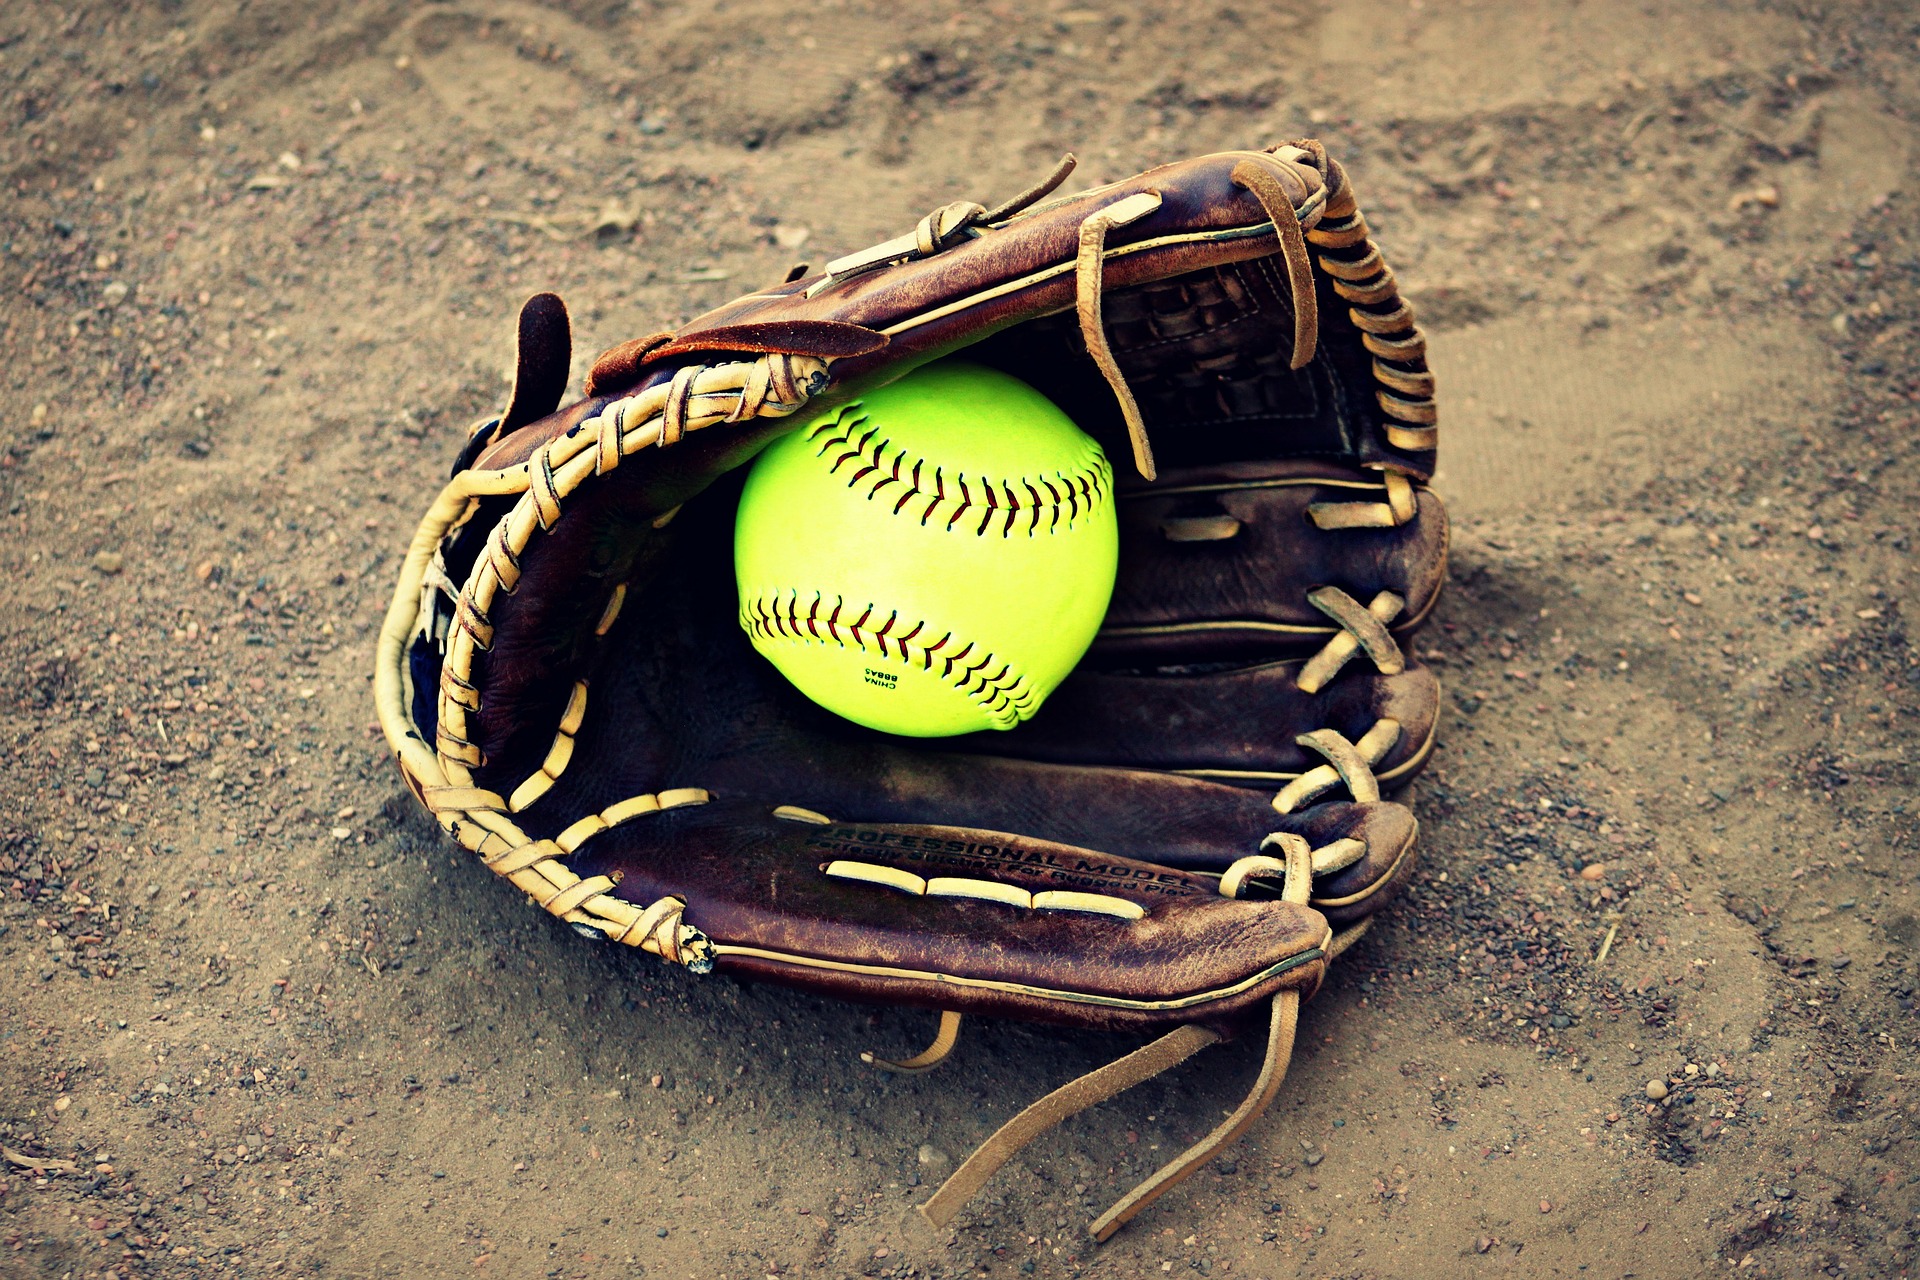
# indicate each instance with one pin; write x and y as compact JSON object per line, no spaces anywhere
{"x":915,"y":488}
{"x":1001,"y":692}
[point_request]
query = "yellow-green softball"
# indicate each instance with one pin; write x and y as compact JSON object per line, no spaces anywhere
{"x":932,"y":558}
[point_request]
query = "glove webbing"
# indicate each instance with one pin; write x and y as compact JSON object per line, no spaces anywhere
{"x":1089,"y":269}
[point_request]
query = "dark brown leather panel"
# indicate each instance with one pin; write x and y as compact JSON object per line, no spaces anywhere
{"x":1229,"y":583}
{"x":545,"y":356}
{"x":1243,"y":719}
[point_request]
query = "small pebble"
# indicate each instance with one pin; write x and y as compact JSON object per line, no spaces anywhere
{"x":1593,"y":871}
{"x":1656,"y":1089}
{"x":1314,"y":1157}
{"x":1483,"y":1244}
{"x":109,"y":562}
{"x":1546,"y":1206}
{"x":1782,"y":1192}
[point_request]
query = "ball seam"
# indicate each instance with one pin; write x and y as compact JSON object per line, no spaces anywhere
{"x":1001,"y":692}
{"x":873,"y":462}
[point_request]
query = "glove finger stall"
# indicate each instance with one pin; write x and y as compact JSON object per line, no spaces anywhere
{"x":1200,"y":559}
{"x":962,"y":919}
{"x":1239,"y":726}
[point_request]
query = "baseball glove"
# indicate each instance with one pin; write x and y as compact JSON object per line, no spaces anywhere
{"x":1194,"y":823}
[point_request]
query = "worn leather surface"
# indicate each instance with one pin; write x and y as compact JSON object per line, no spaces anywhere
{"x":756,"y":881}
{"x":1166,"y":746}
{"x":1211,"y":591}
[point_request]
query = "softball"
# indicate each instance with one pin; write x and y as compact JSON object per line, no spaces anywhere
{"x":932,"y":558}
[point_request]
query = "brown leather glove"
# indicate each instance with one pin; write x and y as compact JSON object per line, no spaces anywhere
{"x":1190,"y":828}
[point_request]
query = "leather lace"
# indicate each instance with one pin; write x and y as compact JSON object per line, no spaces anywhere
{"x":1295,"y":870}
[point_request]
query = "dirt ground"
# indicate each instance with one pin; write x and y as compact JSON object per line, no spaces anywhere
{"x":261,"y":264}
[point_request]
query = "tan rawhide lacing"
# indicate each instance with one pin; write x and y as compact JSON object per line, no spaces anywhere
{"x":559,"y":755}
{"x":1359,"y":274}
{"x":940,"y":230}
{"x":1347,"y":762}
{"x":1388,"y":331}
{"x":1089,"y":272}
{"x":1362,"y":630}
{"x":697,"y":397}
{"x":1384,"y":319}
{"x":1295,"y":871}
{"x":1325,"y":860}
{"x":1331,"y":220}
{"x":928,"y":1058}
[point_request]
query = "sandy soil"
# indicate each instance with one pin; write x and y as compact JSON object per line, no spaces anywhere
{"x":261,"y":262}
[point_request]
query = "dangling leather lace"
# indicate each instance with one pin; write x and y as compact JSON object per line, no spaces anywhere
{"x":1296,"y":873}
{"x":1089,"y":270}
